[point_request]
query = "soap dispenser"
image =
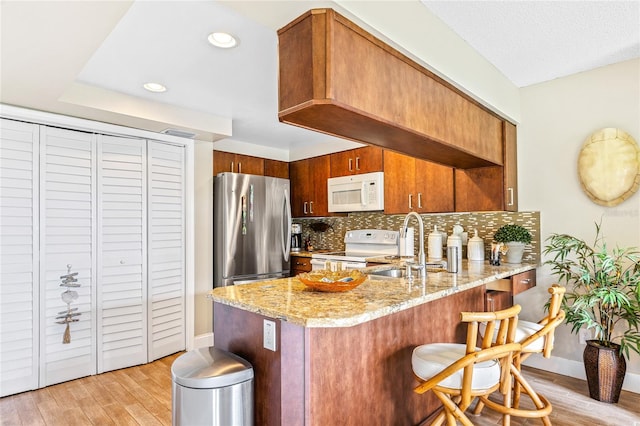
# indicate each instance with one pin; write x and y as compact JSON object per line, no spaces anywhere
{"x":475,"y":248}
{"x":434,"y":245}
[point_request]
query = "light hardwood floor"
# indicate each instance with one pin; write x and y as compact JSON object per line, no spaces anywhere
{"x":142,"y":396}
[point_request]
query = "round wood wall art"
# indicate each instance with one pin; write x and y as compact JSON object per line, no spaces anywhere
{"x":609,"y":166}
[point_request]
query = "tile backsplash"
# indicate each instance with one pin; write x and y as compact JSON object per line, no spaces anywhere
{"x":487,"y":223}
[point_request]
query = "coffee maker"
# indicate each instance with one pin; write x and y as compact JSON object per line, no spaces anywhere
{"x":296,"y":237}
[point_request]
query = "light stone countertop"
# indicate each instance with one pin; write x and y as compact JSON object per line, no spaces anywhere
{"x":290,"y":300}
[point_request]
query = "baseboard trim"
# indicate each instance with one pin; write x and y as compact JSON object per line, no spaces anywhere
{"x":567,"y":367}
{"x":203,"y":341}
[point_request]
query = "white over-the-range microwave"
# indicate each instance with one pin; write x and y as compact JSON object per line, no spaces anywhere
{"x":356,"y":193}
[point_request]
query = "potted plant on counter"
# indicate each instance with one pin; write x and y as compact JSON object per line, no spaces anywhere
{"x":515,"y":237}
{"x":603,"y":291}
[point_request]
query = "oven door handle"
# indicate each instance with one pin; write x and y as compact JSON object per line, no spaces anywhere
{"x":319,"y":264}
{"x":354,"y":265}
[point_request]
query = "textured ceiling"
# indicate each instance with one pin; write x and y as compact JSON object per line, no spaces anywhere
{"x":535,"y":41}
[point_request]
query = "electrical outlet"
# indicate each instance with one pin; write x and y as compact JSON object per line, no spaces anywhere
{"x":269,"y":341}
{"x":585,"y":334}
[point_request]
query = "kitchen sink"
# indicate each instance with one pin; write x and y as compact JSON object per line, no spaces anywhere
{"x":392,"y":273}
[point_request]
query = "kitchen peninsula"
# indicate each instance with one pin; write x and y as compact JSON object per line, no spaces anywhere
{"x":345,"y":357}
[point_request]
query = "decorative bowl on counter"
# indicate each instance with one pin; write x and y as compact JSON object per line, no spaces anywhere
{"x":332,"y":281}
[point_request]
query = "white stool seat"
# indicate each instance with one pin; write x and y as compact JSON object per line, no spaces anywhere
{"x":524,"y":329}
{"x":429,"y":360}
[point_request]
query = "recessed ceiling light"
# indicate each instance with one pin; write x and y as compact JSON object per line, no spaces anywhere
{"x":155,"y":87}
{"x":223,"y":40}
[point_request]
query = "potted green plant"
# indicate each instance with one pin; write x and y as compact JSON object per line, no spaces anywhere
{"x":603,"y":291}
{"x":515,"y":237}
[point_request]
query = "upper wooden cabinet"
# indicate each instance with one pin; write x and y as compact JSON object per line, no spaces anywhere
{"x":479,"y":189}
{"x":275,"y":168}
{"x":338,"y":79}
{"x":490,"y":188}
{"x":309,"y":186}
{"x":510,"y":167}
{"x":356,"y":161}
{"x":416,"y":185}
{"x":238,"y":163}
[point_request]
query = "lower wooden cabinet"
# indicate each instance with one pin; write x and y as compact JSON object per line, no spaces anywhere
{"x":495,"y":300}
{"x":499,"y":294}
{"x":300,"y":264}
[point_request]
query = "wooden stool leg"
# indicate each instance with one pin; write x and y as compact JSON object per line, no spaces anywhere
{"x":479,"y":406}
{"x":516,"y":383}
{"x":532,"y":394}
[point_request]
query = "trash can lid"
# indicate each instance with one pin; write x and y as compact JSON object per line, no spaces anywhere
{"x":210,"y":368}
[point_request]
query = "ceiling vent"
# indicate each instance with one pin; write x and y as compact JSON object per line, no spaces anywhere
{"x":179,"y":133}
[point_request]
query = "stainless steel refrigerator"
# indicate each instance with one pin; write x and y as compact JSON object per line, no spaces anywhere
{"x":251,"y":228}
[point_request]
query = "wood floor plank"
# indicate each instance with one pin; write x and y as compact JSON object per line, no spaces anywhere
{"x":50,"y":411}
{"x":28,"y":409}
{"x":158,"y":392}
{"x":75,"y":416}
{"x":152,"y":404}
{"x":119,"y":415}
{"x":165,"y":417}
{"x":142,"y":415}
{"x":9,"y":412}
{"x":120,"y":393}
{"x":94,"y":385}
{"x":95,"y":411}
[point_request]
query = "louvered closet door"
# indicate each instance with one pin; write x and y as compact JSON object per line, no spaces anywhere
{"x":122,"y":281}
{"x":166,"y":250}
{"x":67,"y":236}
{"x":18,"y":257}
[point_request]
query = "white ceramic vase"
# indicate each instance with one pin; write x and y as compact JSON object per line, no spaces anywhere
{"x":514,"y":252}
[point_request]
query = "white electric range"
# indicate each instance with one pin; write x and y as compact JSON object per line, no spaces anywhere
{"x":360,"y":244}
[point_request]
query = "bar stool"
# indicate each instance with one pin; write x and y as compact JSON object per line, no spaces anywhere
{"x":534,"y":338}
{"x":458,"y":373}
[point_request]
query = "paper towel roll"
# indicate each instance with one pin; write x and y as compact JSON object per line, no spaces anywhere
{"x":406,"y":243}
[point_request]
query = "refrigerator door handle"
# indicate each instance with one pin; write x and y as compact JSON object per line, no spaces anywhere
{"x":286,"y":240}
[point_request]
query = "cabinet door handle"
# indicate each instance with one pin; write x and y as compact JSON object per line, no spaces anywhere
{"x":350,"y":164}
{"x":239,"y":167}
{"x":419,"y":200}
{"x":410,"y":201}
{"x":510,"y":192}
{"x":357,"y":163}
{"x":231,"y":168}
{"x":526,"y":281}
{"x":304,"y":209}
{"x":310,"y":207}
{"x":492,"y":305}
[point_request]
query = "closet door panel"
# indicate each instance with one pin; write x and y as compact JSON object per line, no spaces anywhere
{"x":19,"y":251}
{"x":122,"y":290}
{"x":67,"y":237}
{"x":166,"y":250}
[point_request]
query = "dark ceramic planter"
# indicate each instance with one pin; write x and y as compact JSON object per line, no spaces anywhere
{"x":605,"y":367}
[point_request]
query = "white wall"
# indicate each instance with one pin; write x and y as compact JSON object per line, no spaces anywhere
{"x":557,"y":117}
{"x":203,"y":188}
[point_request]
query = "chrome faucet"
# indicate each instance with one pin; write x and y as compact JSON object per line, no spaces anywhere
{"x":422,"y":263}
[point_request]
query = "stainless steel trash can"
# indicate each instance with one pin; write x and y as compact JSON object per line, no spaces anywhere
{"x":212,"y":387}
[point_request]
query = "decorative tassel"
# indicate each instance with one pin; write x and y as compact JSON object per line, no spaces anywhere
{"x":66,"y":338}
